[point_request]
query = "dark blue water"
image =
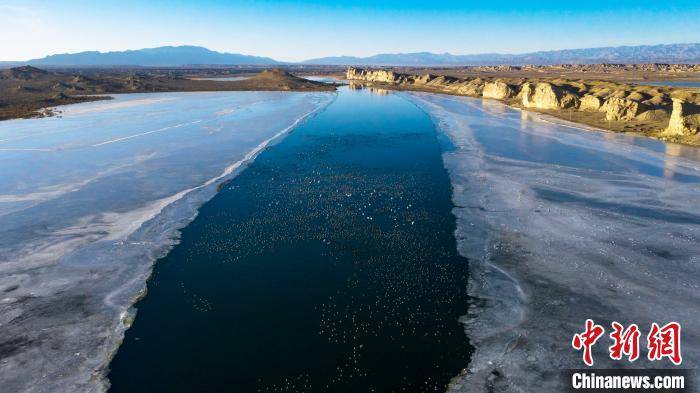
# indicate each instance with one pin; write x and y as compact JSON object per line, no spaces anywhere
{"x":328,"y":265}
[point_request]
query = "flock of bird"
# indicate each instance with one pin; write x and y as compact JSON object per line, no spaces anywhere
{"x":390,"y":229}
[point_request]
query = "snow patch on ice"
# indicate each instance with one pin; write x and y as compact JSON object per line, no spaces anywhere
{"x":561,"y":225}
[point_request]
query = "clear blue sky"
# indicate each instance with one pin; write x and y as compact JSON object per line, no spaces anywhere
{"x":292,"y":31}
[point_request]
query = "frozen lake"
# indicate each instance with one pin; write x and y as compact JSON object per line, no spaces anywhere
{"x":89,"y":199}
{"x":223,"y":78}
{"x":560,"y":225}
{"x":328,"y":265}
{"x":324,"y":79}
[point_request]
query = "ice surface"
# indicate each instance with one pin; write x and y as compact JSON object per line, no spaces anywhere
{"x":561,"y":225}
{"x":89,"y":200}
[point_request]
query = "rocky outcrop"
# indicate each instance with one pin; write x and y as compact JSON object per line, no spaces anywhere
{"x":657,"y":100}
{"x":622,"y":108}
{"x":547,"y":96}
{"x":442,"y":81}
{"x":498,"y":90}
{"x":648,"y":108}
{"x":355,"y":74}
{"x":470,"y":87}
{"x":653,"y":115}
{"x":381,"y":76}
{"x":685,"y":118}
{"x":474,"y":88}
{"x":424,"y":79}
{"x":590,"y":103}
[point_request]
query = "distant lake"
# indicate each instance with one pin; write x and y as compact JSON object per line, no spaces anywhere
{"x":324,"y":79}
{"x":673,"y":83}
{"x":223,"y":78}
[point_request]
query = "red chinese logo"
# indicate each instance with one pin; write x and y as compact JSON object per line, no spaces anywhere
{"x":587,"y":339}
{"x":626,"y":341}
{"x":665,"y":342}
{"x":662,"y":342}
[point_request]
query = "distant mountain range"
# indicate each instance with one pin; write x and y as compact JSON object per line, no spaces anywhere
{"x":160,"y":57}
{"x":674,"y":53}
{"x":195,"y":55}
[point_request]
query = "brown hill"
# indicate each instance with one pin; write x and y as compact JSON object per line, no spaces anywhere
{"x":277,"y":79}
{"x":23,"y":73}
{"x":24,"y":91}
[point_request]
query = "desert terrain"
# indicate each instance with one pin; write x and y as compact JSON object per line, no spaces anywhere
{"x":28,"y":91}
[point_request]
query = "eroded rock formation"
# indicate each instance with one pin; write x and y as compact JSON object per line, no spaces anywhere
{"x":498,"y":90}
{"x":622,"y":108}
{"x":590,"y":102}
{"x":685,"y":118}
{"x":471,"y":88}
{"x":604,"y":104}
{"x":547,"y":96}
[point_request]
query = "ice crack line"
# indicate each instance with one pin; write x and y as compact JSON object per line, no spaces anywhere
{"x":145,"y":133}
